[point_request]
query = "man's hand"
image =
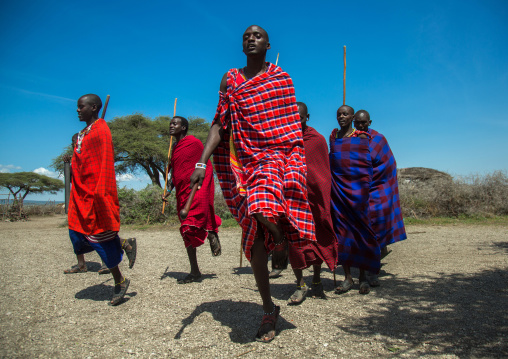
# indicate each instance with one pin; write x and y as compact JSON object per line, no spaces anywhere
{"x":198,"y":176}
{"x":67,"y":158}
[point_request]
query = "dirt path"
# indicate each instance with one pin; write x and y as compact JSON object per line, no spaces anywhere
{"x":444,"y":294}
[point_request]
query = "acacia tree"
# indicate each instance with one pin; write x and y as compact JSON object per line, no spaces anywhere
{"x":141,"y":144}
{"x":20,"y":184}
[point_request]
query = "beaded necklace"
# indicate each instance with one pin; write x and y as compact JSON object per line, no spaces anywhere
{"x":81,"y":135}
{"x":351,"y":134}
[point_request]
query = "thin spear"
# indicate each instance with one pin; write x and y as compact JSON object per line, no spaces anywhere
{"x":169,"y":158}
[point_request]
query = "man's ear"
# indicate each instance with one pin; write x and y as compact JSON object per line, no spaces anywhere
{"x":268,"y":46}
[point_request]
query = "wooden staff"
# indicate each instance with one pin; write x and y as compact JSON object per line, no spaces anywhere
{"x":67,"y":176}
{"x":241,"y":253}
{"x":105,"y":107}
{"x":277,"y":61}
{"x":185,"y":211}
{"x":169,"y":158}
{"x":344,"y":99}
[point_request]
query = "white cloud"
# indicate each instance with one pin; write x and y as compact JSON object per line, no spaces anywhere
{"x":8,"y":168}
{"x":46,"y":172}
{"x":125,"y":177}
{"x":129,"y":177}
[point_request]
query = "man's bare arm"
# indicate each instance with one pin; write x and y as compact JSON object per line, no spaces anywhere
{"x":212,"y":141}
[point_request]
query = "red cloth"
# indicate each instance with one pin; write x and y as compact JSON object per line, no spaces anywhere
{"x":319,"y":183}
{"x":201,"y":217}
{"x":93,"y":206}
{"x":263,"y":116}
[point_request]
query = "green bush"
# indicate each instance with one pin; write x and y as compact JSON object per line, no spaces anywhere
{"x":145,"y":206}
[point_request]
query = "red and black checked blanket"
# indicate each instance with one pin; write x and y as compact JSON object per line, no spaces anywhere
{"x":185,"y":155}
{"x":93,"y":205}
{"x":385,"y":214}
{"x":262,"y":115}
{"x":319,"y":183}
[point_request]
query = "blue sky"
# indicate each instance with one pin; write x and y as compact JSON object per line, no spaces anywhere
{"x":432,"y":74}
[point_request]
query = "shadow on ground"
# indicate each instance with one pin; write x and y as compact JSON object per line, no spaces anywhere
{"x":101,"y":292}
{"x":182,"y":275}
{"x":501,"y":245}
{"x":433,"y":312}
{"x":243,"y":318}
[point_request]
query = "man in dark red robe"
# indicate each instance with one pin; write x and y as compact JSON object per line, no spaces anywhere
{"x":201,"y":221}
{"x":319,"y":182}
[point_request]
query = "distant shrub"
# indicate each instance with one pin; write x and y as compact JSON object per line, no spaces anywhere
{"x":17,"y":211}
{"x":468,"y":196}
{"x":145,"y":206}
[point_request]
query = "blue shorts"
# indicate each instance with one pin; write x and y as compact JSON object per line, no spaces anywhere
{"x":110,"y":252}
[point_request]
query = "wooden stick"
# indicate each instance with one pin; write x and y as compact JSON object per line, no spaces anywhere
{"x":105,"y":107}
{"x":344,"y":99}
{"x":277,"y":61}
{"x":241,"y":252}
{"x":169,"y":158}
{"x":67,"y":176}
{"x":185,"y":211}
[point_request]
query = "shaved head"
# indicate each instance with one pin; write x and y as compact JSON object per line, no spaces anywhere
{"x":303,"y":107}
{"x":92,"y":99}
{"x":348,"y":108}
{"x":362,"y":113}
{"x":260,"y":29}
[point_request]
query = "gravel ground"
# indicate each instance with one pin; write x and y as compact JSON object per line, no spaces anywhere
{"x":443,"y":294}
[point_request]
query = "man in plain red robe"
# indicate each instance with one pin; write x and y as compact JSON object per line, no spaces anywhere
{"x":94,"y":211}
{"x":201,"y":221}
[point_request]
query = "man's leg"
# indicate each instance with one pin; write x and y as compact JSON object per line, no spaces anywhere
{"x":80,"y":267}
{"x":81,"y":260}
{"x":259,"y":263}
{"x":193,"y":260}
{"x":195,"y":273}
{"x":121,"y":285}
{"x":301,"y":289}
{"x":317,"y":287}
{"x":348,"y":281}
{"x":364,"y":284}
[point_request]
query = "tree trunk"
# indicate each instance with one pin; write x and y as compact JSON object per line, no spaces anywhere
{"x":153,"y":177}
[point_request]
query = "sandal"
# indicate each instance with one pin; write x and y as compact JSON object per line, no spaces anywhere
{"x":131,"y":254}
{"x":103,"y":269}
{"x":189,"y":279}
{"x":344,"y":287}
{"x":270,"y":319}
{"x":76,"y":269}
{"x":299,"y":295}
{"x":275,"y":273}
{"x":373,"y":280}
{"x":215,"y":246}
{"x":364,"y":287}
{"x":119,"y":292}
{"x":316,"y":291}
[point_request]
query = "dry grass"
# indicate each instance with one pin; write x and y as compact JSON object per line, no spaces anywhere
{"x":421,"y":197}
{"x":470,"y":196}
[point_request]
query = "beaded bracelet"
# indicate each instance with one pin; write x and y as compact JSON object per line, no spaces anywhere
{"x":201,"y":165}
